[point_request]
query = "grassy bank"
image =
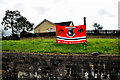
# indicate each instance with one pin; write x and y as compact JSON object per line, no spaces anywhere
{"x":105,"y":46}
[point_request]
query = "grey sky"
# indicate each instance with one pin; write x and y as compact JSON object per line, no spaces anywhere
{"x":104,"y":12}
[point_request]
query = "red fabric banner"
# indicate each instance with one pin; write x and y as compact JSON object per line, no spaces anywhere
{"x":70,"y":34}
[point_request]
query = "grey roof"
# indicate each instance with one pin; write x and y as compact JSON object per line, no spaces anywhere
{"x":65,"y":23}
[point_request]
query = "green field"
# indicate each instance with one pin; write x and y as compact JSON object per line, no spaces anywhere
{"x":104,"y":46}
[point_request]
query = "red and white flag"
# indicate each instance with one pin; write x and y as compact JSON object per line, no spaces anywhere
{"x":70,"y":34}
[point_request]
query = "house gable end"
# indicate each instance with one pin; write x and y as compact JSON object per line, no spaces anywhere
{"x":43,"y":22}
{"x":45,"y":26}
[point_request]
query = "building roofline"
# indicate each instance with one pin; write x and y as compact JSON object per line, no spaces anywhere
{"x":43,"y":21}
{"x":53,"y":23}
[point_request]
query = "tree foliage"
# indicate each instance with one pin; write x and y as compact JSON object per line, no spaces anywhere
{"x":97,"y":27}
{"x":15,"y":21}
{"x":23,"y":24}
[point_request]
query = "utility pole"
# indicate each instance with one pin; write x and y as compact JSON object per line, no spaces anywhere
{"x":84,"y":21}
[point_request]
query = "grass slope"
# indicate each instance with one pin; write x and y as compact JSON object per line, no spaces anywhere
{"x":105,"y":46}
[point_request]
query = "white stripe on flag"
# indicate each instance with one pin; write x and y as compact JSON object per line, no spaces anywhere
{"x":71,"y":38}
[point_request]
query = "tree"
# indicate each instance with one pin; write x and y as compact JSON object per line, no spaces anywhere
{"x":1,"y":33}
{"x":97,"y":27}
{"x":16,"y":22}
{"x":10,"y":19}
{"x":23,"y":24}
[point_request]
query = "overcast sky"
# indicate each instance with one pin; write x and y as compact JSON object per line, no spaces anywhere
{"x":104,"y":12}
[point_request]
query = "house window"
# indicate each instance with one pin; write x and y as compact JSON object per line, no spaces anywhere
{"x":51,"y":29}
{"x":39,"y":31}
{"x":47,"y":30}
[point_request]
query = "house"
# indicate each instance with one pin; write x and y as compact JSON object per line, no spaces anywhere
{"x":47,"y":26}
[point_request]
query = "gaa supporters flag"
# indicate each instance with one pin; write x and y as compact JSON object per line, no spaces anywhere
{"x":70,"y":34}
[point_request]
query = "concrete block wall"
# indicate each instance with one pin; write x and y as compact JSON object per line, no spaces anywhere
{"x":28,"y":66}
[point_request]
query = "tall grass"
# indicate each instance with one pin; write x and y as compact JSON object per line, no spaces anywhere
{"x":104,"y":46}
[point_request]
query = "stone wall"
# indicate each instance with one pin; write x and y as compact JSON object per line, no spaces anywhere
{"x":28,"y":66}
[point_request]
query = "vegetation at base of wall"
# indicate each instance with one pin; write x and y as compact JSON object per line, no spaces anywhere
{"x":104,"y":46}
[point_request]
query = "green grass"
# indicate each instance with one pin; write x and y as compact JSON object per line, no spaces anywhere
{"x":104,"y":46}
